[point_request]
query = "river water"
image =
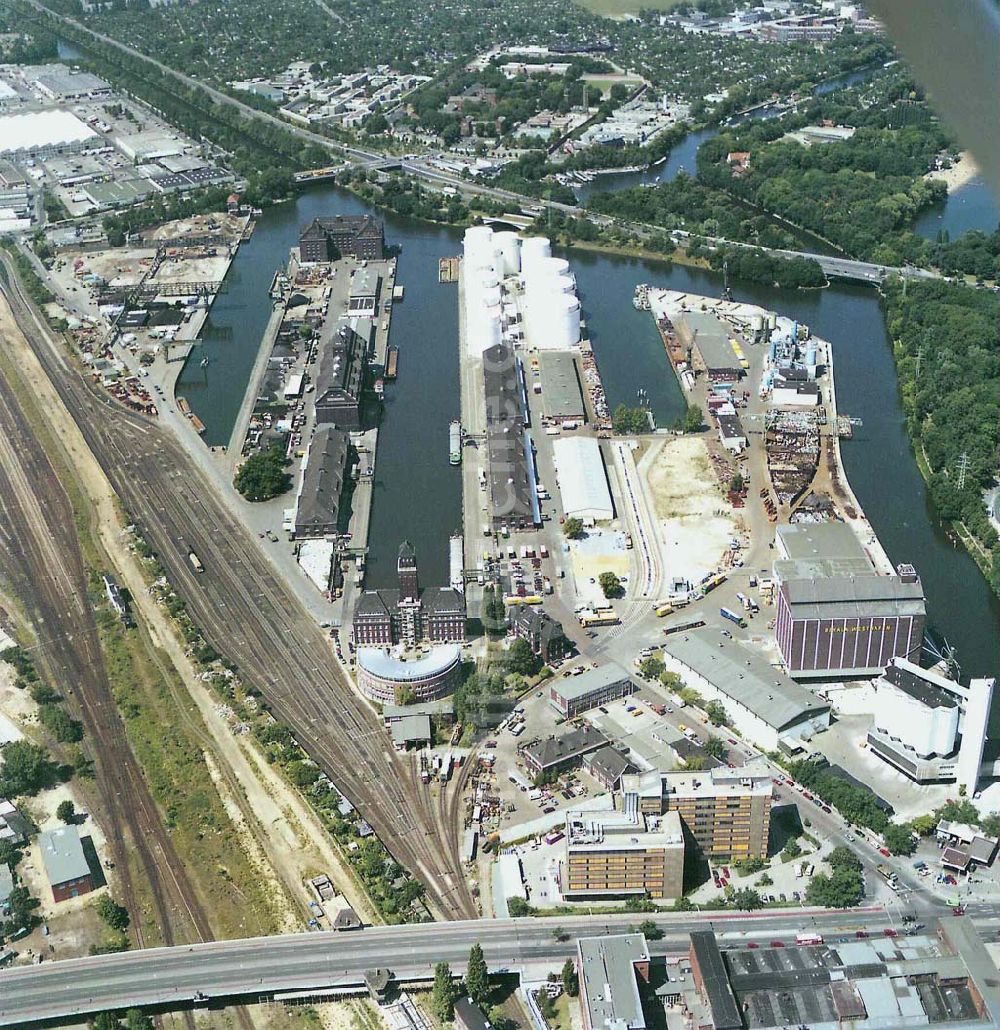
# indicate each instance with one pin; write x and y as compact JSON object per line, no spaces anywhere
{"x":418,"y":494}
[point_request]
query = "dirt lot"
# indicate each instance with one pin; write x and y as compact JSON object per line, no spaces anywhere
{"x":695,"y":522}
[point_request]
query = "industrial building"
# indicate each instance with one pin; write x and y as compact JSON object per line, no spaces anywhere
{"x":357,"y":236}
{"x":623,"y":852}
{"x":943,"y":978}
{"x":726,"y":812}
{"x":731,"y":432}
{"x":383,"y":678}
{"x":443,"y":710}
{"x":562,"y":398}
{"x":583,"y":479}
{"x":760,"y":700}
{"x":513,"y":492}
{"x":65,"y":864}
{"x":572,"y":695}
{"x":708,"y":338}
{"x":363,"y":295}
{"x":836,"y":616}
{"x":61,"y":83}
{"x":410,"y":613}
{"x":555,"y":753}
{"x":544,"y":634}
{"x":609,"y":993}
{"x":930,"y":727}
{"x":711,"y":979}
{"x":38,"y":134}
{"x":317,"y":507}
{"x":340,"y":378}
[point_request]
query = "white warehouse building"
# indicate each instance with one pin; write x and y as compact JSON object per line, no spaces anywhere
{"x":583,"y":480}
{"x":760,"y":700}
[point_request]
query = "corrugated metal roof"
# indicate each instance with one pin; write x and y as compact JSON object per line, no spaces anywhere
{"x":583,"y":481}
{"x":740,"y":674}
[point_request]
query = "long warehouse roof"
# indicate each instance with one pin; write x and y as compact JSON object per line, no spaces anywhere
{"x":41,"y":129}
{"x":583,"y":481}
{"x":749,"y":680}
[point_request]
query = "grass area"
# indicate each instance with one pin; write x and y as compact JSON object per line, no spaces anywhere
{"x":160,"y":723}
{"x":619,"y":8}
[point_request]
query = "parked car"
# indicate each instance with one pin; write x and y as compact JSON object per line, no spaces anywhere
{"x":885,"y":852}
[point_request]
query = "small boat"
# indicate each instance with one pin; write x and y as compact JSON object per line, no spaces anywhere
{"x":204,"y":362}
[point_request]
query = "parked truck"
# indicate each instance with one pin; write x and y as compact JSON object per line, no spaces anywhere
{"x":733,"y":617}
{"x":195,"y":562}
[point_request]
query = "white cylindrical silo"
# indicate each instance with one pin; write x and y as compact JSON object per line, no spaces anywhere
{"x":553,"y":266}
{"x":562,"y":284}
{"x":490,"y":295}
{"x":533,"y":250}
{"x":478,"y":239}
{"x":508,"y":247}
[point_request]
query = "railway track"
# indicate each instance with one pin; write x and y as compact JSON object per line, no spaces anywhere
{"x":247,"y":614}
{"x":44,"y":567}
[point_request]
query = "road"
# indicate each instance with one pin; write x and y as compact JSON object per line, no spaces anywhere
{"x":248,"y":614}
{"x":263,"y":967}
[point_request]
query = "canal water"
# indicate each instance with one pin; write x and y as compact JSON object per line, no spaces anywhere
{"x":418,"y":494}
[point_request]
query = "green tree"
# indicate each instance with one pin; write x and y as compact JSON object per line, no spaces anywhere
{"x":924,"y":825}
{"x":477,"y":977}
{"x":625,"y":420}
{"x":792,"y":849}
{"x":263,"y":475}
{"x":26,"y":769}
{"x":570,"y":978}
{"x":736,"y":483}
{"x":10,"y":854}
{"x":520,"y":658}
{"x":692,"y":421}
{"x":66,"y":811}
{"x":21,"y":906}
{"x":843,"y":858}
{"x":651,"y":668}
{"x":518,"y":907}
{"x":683,"y":904}
{"x":714,"y":747}
{"x":106,"y":1021}
{"x":899,"y":839}
{"x":60,"y":724}
{"x":114,"y":915}
{"x":843,"y":889}
{"x":746,"y":899}
{"x":573,"y":528}
{"x":443,"y":993}
{"x":650,"y":930}
{"x":717,"y":714}
{"x":135,"y":1019}
{"x":610,"y":585}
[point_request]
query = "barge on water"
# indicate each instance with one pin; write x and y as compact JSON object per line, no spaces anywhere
{"x":455,"y":442}
{"x":392,"y":363}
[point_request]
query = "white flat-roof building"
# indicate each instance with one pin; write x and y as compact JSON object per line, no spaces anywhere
{"x":583,"y":480}
{"x":38,"y":133}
